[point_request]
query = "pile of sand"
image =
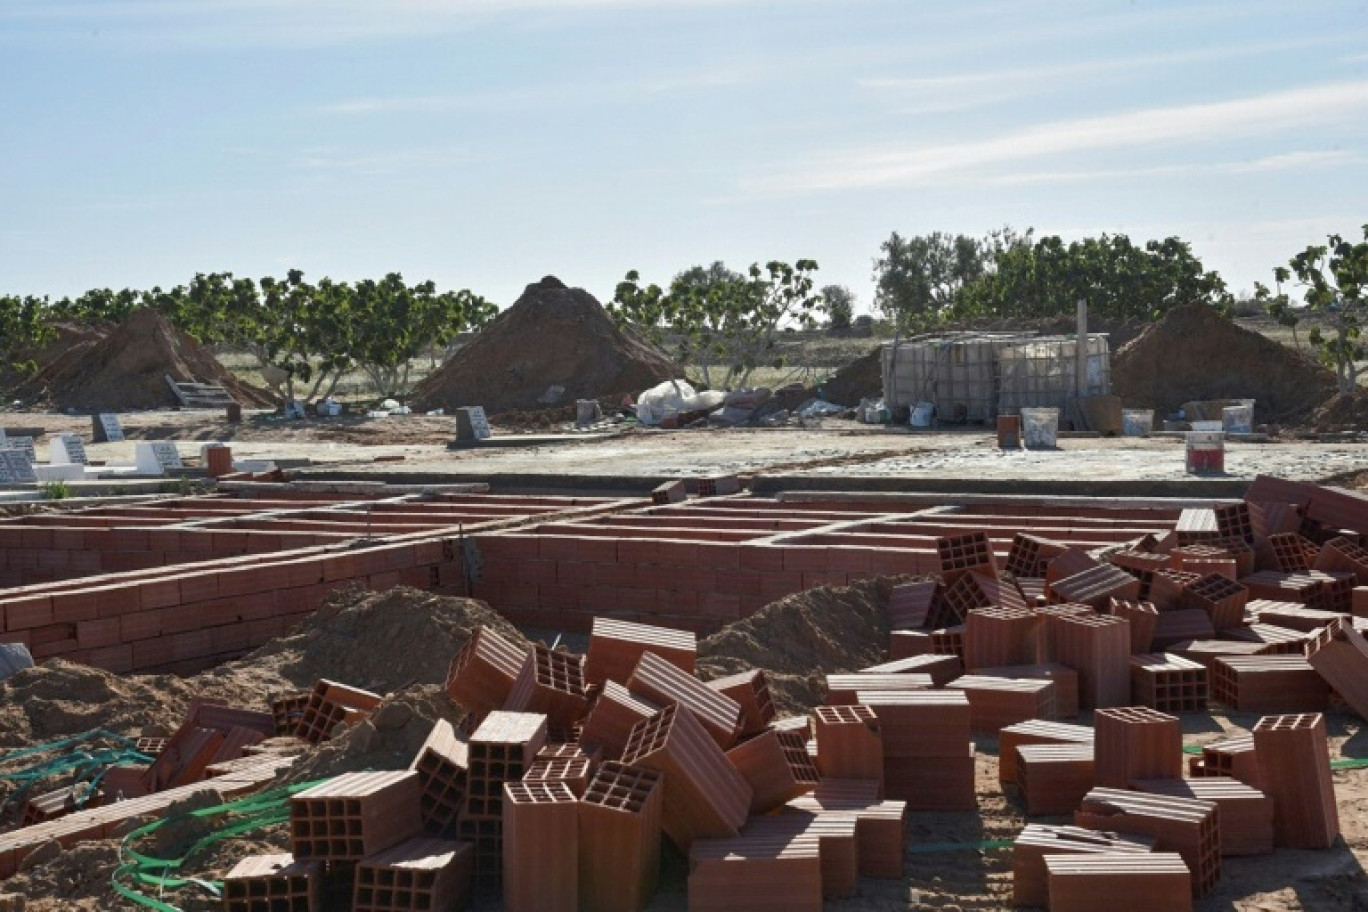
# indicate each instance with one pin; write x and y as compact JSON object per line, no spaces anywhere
{"x":802,"y":637}
{"x":1194,"y":353}
{"x":1341,"y":412}
{"x":127,"y":369}
{"x":553,"y":336}
{"x":860,"y":379}
{"x":68,"y":343}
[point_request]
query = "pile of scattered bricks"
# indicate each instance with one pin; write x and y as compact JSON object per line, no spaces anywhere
{"x":558,"y":785}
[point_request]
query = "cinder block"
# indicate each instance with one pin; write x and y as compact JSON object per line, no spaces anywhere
{"x":1182,"y":825}
{"x":273,"y":882}
{"x":421,"y":873}
{"x":482,"y":674}
{"x":705,"y":796}
{"x":1038,"y":840}
{"x":1294,"y":770}
{"x":1084,"y":883}
{"x":541,"y":847}
{"x":619,"y":830}
{"x":355,"y":815}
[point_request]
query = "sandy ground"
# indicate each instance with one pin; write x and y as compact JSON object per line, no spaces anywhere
{"x":415,"y":446}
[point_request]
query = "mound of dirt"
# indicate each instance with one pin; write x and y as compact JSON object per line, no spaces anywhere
{"x":69,"y":342}
{"x":379,"y":641}
{"x":802,"y":637}
{"x":127,"y":369}
{"x":1194,"y":353}
{"x":552,"y":337}
{"x":1341,"y":412}
{"x":860,"y":379}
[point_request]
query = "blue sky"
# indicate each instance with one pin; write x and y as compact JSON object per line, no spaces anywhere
{"x":486,"y":143}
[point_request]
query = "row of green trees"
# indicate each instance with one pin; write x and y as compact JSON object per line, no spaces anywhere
{"x":307,"y":334}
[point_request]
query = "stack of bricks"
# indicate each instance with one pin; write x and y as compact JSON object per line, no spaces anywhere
{"x":1039,"y":840}
{"x":1183,"y":825}
{"x":995,"y":703}
{"x":501,"y":750}
{"x":780,"y":870}
{"x":1294,"y":770}
{"x":1036,"y":731}
{"x":1064,"y":679}
{"x":927,"y":753}
{"x":880,"y":824}
{"x":843,"y":689}
{"x":837,"y":845}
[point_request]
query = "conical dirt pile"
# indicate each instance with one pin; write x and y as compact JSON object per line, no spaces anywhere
{"x":128,"y":370}
{"x":1194,"y":353}
{"x":552,"y":337}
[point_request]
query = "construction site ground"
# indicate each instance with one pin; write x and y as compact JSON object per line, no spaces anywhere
{"x":838,"y":454}
{"x":954,"y":860}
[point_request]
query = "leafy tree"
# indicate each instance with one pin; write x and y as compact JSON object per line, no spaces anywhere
{"x":722,"y":318}
{"x":98,"y":305}
{"x":1335,"y":276}
{"x":839,"y":303}
{"x":919,"y":280}
{"x":395,"y":323}
{"x":1119,"y":280}
{"x":23,"y":326}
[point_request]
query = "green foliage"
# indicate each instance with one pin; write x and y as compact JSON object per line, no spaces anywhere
{"x":839,"y":303}
{"x":1117,"y":279}
{"x":1335,"y":279}
{"x":314,"y":332}
{"x":917,"y":279}
{"x":22,"y":327}
{"x":723,"y":319}
{"x":54,"y":490}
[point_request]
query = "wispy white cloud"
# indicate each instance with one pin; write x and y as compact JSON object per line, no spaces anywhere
{"x":291,"y":22}
{"x":1292,"y":161}
{"x":1258,"y":115}
{"x":959,"y":91}
{"x":331,"y":160}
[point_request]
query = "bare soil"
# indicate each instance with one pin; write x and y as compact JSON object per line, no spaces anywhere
{"x":127,"y":369}
{"x":553,"y":336}
{"x":1194,"y":353}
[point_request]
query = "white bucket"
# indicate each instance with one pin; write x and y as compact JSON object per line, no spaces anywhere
{"x":1208,"y":427}
{"x":922,"y":413}
{"x":1137,"y":422}
{"x":1237,"y":419}
{"x":1040,"y":427}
